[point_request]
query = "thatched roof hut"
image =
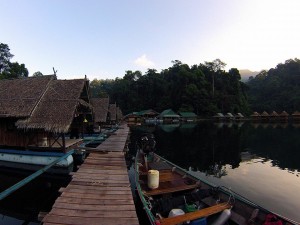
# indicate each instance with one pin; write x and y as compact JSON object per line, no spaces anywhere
{"x":43,"y":103}
{"x":100,"y":109}
{"x":296,"y":116}
{"x":113,"y":112}
{"x":265,"y":115}
{"x":119,"y":114}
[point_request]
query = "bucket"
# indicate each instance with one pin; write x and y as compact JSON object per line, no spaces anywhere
{"x":153,"y":179}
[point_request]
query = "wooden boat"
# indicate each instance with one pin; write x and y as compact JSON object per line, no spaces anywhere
{"x":34,"y":160}
{"x":177,"y":197}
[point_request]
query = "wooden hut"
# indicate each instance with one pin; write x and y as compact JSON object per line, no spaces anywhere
{"x":296,"y":116}
{"x":113,"y":113}
{"x":255,"y":116}
{"x":284,"y":116}
{"x":265,"y":116}
{"x":37,"y":112}
{"x":219,"y":116}
{"x":100,"y":111}
{"x":274,"y":116}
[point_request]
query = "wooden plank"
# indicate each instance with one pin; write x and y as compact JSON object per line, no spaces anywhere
{"x":95,"y":196}
{"x":99,"y":192}
{"x":92,"y":213}
{"x":94,"y":207}
{"x":89,"y":201}
{"x":195,"y":215}
{"x":68,"y":220}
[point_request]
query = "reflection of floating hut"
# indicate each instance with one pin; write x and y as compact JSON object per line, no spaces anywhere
{"x":284,"y":116}
{"x":296,"y":116}
{"x":274,"y":116}
{"x":219,"y":116}
{"x":255,"y":116}
{"x":265,"y":116}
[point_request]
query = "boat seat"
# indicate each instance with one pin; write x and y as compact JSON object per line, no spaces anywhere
{"x":195,"y":215}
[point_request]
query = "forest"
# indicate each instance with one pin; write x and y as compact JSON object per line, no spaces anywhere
{"x":204,"y":89}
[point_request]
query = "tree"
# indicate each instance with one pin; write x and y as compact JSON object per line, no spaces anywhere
{"x":9,"y":69}
{"x":5,"y":57}
{"x":37,"y":74}
{"x":17,"y":70}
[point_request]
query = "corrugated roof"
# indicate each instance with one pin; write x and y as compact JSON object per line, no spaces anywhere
{"x":187,"y":114}
{"x":168,"y":113}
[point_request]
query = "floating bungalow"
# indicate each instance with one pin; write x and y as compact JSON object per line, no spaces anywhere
{"x":169,"y":116}
{"x":188,"y":116}
{"x":284,"y":116}
{"x":274,"y":116}
{"x":38,"y":113}
{"x":219,"y":116}
{"x":101,"y":112}
{"x":296,"y":116}
{"x":255,"y":116}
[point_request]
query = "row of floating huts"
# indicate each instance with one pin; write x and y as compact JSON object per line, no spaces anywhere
{"x":150,"y":116}
{"x":44,"y":112}
{"x":274,"y":116}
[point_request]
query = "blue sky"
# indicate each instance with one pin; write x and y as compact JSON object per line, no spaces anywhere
{"x":103,"y":39}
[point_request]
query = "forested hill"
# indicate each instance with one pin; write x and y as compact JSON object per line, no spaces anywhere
{"x":204,"y":89}
{"x":277,"y":89}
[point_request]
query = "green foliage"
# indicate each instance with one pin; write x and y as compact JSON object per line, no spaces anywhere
{"x":180,"y":87}
{"x":277,"y":89}
{"x":9,"y":69}
{"x":37,"y":74}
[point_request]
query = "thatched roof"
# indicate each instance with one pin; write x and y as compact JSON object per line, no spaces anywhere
{"x":100,"y":108}
{"x":18,"y":97}
{"x":284,"y":114}
{"x":274,"y":114}
{"x":113,"y":112}
{"x":119,"y":113}
{"x":52,"y":106}
{"x":255,"y":114}
{"x":296,"y":113}
{"x":265,"y":114}
{"x":56,"y":109}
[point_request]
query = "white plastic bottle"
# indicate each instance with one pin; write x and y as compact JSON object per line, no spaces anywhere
{"x":221,"y":220}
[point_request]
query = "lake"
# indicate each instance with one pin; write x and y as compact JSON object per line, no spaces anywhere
{"x":258,"y":161}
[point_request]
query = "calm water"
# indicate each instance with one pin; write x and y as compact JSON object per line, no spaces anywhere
{"x":258,"y":161}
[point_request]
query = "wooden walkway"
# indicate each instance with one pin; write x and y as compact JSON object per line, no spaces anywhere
{"x":99,"y":192}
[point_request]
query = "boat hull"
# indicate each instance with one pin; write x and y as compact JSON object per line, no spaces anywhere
{"x":33,"y":161}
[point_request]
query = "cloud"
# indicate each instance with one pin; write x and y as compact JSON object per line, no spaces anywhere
{"x":143,"y":61}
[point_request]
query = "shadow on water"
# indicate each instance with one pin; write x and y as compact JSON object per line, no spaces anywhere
{"x":23,"y":206}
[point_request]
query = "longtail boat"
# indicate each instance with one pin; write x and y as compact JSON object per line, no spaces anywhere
{"x":171,"y":195}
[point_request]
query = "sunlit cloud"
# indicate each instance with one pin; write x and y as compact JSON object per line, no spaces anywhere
{"x":144,"y":62}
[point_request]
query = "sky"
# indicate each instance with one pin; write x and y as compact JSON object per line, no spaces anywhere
{"x":104,"y":38}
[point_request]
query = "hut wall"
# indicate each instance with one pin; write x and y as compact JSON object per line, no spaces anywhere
{"x":10,"y":136}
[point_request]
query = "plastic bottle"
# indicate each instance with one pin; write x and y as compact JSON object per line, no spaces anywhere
{"x":221,"y":220}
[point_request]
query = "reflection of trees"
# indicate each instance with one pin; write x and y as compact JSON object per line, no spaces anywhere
{"x":202,"y":149}
{"x":279,"y":144}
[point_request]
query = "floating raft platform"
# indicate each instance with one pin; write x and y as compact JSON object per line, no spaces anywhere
{"x":100,"y":191}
